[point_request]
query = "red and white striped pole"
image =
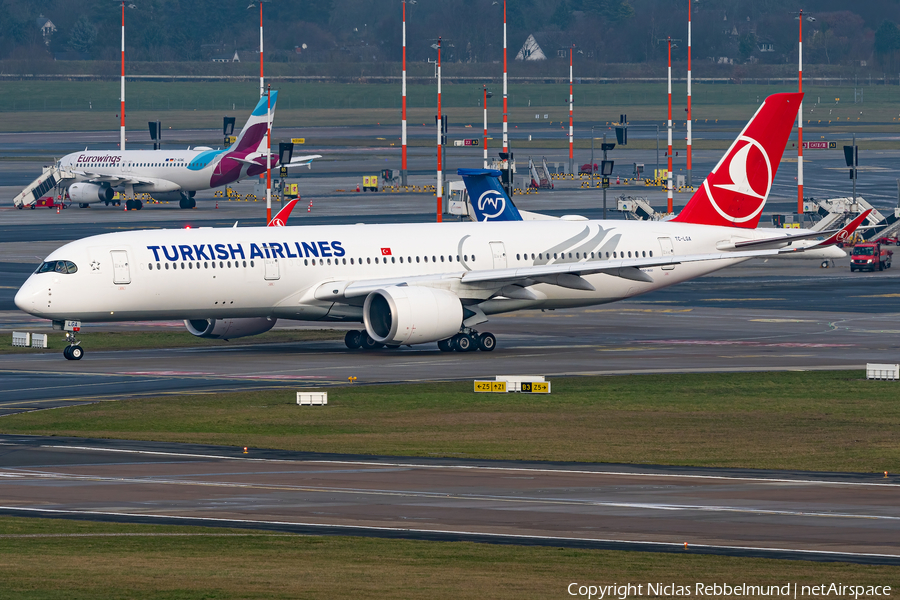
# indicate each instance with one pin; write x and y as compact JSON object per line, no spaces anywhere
{"x":269,"y":157}
{"x":505,"y":126}
{"x":122,"y":92}
{"x":800,"y":125}
{"x":669,"y":173}
{"x":440,"y":174}
{"x":403,"y":115}
{"x":485,"y":127}
{"x":262,"y":88}
{"x":571,"y":128}
{"x":689,"y":116}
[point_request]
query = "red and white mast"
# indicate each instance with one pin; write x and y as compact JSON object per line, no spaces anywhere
{"x":505,"y":126}
{"x":403,"y":114}
{"x":669,"y":173}
{"x":122,"y":92}
{"x":571,"y":128}
{"x":800,"y":124}
{"x":262,"y":88}
{"x":485,"y":127}
{"x":440,"y":124}
{"x":689,"y":117}
{"x":269,"y":156}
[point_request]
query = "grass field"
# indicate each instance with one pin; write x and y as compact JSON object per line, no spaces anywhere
{"x":831,"y":421}
{"x":135,"y":340}
{"x":45,"y":558}
{"x":78,"y":105}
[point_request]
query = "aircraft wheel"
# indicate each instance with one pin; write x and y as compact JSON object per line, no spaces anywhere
{"x":368,"y":343}
{"x":465,"y":343}
{"x":487,"y":342}
{"x":193,"y":203}
{"x":82,"y":205}
{"x":183,"y":203}
{"x":76,"y":352}
{"x":129,"y":204}
{"x":446,"y":345}
{"x":66,"y":352}
{"x":138,"y":205}
{"x":352,"y":339}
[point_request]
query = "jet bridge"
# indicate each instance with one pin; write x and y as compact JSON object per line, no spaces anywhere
{"x":50,"y":178}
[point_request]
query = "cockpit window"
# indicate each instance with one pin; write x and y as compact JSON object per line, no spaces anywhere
{"x":57,"y":266}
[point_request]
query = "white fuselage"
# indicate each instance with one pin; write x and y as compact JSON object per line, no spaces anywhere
{"x":280,"y":271}
{"x":156,"y":170}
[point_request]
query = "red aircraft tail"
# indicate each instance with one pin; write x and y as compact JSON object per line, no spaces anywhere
{"x":280,"y":220}
{"x":737,"y":188}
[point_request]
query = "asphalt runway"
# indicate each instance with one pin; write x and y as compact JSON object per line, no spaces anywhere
{"x":772,"y":514}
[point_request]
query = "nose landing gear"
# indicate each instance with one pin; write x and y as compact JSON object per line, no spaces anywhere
{"x":73,"y":351}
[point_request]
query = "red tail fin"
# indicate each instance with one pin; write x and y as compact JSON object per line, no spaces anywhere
{"x":280,"y":220}
{"x":736,"y":190}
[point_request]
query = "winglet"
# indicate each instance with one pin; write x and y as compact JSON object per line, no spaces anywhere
{"x":846,"y":231}
{"x":280,"y":220}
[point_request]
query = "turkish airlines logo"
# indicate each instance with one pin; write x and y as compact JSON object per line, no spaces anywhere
{"x":276,"y":222}
{"x":751,"y":174}
{"x":495,"y":201}
{"x":842,"y":235}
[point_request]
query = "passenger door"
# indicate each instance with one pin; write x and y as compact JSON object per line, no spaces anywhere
{"x":272,"y":272}
{"x":498,"y":252}
{"x":121,"y":273}
{"x":668,"y":249}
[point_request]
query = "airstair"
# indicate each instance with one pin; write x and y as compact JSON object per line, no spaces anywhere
{"x":540,"y":175}
{"x":836,"y":212}
{"x":637,"y":207}
{"x":51,"y":177}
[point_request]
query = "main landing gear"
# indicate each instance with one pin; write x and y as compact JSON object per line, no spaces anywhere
{"x":73,"y":351}
{"x":134,"y":204}
{"x":360,"y":339}
{"x":469,"y":340}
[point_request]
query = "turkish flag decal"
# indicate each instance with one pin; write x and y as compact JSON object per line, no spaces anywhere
{"x":385,"y":251}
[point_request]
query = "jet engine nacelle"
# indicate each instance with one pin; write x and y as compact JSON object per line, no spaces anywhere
{"x":411,"y":315}
{"x":229,"y":329}
{"x":85,"y":193}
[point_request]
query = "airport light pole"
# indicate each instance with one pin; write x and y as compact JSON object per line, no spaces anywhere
{"x":505,"y":90}
{"x":122,"y":91}
{"x":439,"y":188}
{"x":669,"y":207}
{"x":571,"y":128}
{"x":403,"y":180}
{"x":269,"y":155}
{"x":800,"y":125}
{"x":262,"y":89}
{"x":484,"y":140}
{"x":689,"y":114}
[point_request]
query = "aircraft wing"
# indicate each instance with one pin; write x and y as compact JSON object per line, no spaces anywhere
{"x":113,"y":180}
{"x":834,"y":236}
{"x":567,"y":275}
{"x":302,"y":161}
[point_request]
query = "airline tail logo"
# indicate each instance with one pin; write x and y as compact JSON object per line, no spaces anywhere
{"x":736,"y":190}
{"x":750,"y":171}
{"x":491,"y":205}
{"x":487,"y":198}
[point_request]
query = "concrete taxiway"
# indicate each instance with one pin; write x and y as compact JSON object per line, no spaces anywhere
{"x":807,"y":516}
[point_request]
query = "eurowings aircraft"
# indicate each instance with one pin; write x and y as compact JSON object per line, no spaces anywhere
{"x":171,"y":175}
{"x":418,"y":283}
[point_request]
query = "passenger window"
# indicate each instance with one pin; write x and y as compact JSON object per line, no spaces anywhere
{"x":368,"y":261}
{"x":206,"y":265}
{"x":221,"y":265}
{"x":167,"y":266}
{"x":401,"y":260}
{"x":651,"y":254}
{"x":158,"y":266}
{"x":466,"y":257}
{"x":393,"y":260}
{"x":150,"y":266}
{"x":251,"y":263}
{"x":351,"y":261}
{"x":190,"y":265}
{"x":517,"y":257}
{"x":417,"y":259}
{"x":229,"y":264}
{"x":644,"y":254}
{"x":442,"y":258}
{"x":245,"y":264}
{"x":376,"y":260}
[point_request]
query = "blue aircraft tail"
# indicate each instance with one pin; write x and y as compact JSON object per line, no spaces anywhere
{"x":487,"y":197}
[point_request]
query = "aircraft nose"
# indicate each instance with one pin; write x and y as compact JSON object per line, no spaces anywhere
{"x":27,"y":296}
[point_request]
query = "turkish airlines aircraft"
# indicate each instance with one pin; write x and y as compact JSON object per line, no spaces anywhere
{"x":171,"y":175}
{"x":418,"y":283}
